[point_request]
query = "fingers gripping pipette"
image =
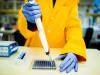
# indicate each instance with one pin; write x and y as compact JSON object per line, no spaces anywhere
{"x":41,"y":33}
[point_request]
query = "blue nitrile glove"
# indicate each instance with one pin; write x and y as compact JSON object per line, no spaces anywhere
{"x":31,"y":11}
{"x":69,"y":63}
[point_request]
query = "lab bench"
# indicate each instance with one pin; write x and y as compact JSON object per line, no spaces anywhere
{"x":10,"y":66}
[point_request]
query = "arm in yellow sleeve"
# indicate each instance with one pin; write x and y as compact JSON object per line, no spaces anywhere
{"x":73,"y":33}
{"x":22,"y":26}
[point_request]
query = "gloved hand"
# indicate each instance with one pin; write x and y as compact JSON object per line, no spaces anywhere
{"x":69,"y":63}
{"x":31,"y":11}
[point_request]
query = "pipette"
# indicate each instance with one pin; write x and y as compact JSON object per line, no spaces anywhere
{"x":42,"y":34}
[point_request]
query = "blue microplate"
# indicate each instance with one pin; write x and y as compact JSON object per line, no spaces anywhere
{"x":44,"y":64}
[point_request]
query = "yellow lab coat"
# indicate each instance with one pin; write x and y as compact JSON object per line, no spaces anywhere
{"x":62,"y":27}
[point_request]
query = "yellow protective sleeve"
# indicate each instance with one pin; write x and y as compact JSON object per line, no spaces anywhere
{"x":74,"y":39}
{"x":22,"y":26}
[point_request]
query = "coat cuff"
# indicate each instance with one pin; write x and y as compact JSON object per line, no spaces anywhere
{"x":31,"y":26}
{"x":76,"y":47}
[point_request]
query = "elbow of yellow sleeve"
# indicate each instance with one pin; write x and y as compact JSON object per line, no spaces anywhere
{"x":22,"y":26}
{"x":78,"y":48}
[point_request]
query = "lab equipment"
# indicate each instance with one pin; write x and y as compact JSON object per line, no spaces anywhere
{"x":7,"y":48}
{"x":70,"y":62}
{"x":42,"y":64}
{"x":23,"y":59}
{"x":31,"y":11}
{"x":22,"y":55}
{"x":42,"y":34}
{"x":20,"y":58}
{"x":96,"y":32}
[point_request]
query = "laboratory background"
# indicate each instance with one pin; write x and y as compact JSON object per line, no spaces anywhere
{"x":89,"y":13}
{"x":12,"y":39}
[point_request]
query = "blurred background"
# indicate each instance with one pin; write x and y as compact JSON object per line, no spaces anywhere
{"x":89,"y":13}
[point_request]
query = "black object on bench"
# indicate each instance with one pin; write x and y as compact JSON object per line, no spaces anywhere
{"x":43,"y":64}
